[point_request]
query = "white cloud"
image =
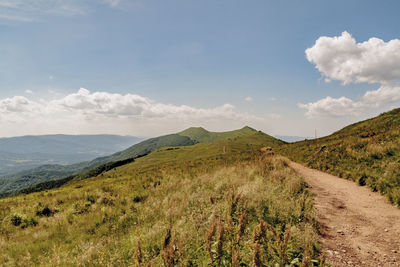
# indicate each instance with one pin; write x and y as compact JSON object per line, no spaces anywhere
{"x":29,"y":91}
{"x":248,"y":99}
{"x":385,"y":94}
{"x":272,"y":99}
{"x":112,"y":3}
{"x":329,"y":106}
{"x":93,"y":111}
{"x":343,"y":59}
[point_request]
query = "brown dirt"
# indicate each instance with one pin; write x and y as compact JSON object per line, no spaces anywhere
{"x":358,"y":227}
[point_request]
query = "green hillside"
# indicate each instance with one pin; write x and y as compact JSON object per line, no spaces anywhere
{"x":45,"y":173}
{"x":367,"y":152}
{"x":201,"y":135}
{"x":150,"y":145}
{"x":45,"y":177}
{"x":222,"y":203}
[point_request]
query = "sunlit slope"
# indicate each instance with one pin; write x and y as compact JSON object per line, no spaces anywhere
{"x":367,"y":152}
{"x":45,"y":173}
{"x":50,"y":176}
{"x":201,"y":135}
{"x":149,"y":145}
{"x":212,"y":151}
{"x":182,"y":205}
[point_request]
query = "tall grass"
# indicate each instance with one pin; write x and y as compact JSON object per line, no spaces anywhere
{"x":246,"y":210}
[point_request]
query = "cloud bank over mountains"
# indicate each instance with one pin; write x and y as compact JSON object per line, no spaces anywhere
{"x":88,"y":111}
{"x":343,"y":59}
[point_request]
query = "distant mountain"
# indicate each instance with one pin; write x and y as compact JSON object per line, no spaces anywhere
{"x":292,"y":139}
{"x":26,"y":152}
{"x":201,"y":135}
{"x":367,"y":152}
{"x":82,"y":170}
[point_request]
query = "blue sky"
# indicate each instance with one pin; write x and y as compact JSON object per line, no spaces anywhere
{"x":192,"y":62}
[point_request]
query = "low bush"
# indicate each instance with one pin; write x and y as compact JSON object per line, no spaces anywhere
{"x":46,"y":211}
{"x":16,"y":219}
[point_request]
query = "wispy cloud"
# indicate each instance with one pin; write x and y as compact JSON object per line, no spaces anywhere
{"x":112,"y":3}
{"x":8,"y":3}
{"x":32,"y":10}
{"x":15,"y":18}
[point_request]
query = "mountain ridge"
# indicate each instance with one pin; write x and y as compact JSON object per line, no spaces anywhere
{"x":51,"y":173}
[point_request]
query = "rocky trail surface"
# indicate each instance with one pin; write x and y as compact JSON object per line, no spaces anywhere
{"x":358,"y":227}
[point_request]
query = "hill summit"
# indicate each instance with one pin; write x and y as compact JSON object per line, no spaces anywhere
{"x":201,"y":135}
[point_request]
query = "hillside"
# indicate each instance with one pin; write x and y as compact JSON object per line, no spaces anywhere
{"x":201,"y":135}
{"x":27,"y":152}
{"x":214,"y":204}
{"x":43,"y":174}
{"x":367,"y":152}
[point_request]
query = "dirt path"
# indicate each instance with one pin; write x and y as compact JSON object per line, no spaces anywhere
{"x":359,"y":227}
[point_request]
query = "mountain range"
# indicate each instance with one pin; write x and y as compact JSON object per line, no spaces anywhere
{"x":26,"y":152}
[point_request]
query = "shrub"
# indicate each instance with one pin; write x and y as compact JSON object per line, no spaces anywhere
{"x":91,"y":199}
{"x":362,"y":180}
{"x":107,"y":201}
{"x":46,"y":211}
{"x":22,"y":221}
{"x":28,"y":222}
{"x":16,"y":219}
{"x":138,"y":199}
{"x":390,"y":152}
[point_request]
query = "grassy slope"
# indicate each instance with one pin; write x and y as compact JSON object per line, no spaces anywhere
{"x":367,"y":152}
{"x":44,"y":176}
{"x":46,"y":173}
{"x":182,"y":205}
{"x":202,"y":136}
{"x":27,"y":152}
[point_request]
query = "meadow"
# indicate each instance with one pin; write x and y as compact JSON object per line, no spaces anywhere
{"x":225,"y":203}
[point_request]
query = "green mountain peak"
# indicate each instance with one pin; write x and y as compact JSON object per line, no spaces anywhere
{"x":201,"y":135}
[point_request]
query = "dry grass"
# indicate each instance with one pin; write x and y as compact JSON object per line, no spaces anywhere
{"x":221,"y":213}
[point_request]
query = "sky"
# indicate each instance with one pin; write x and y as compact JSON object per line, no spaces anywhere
{"x":147,"y":68}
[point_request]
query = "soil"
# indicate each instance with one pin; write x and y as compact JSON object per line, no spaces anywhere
{"x":358,"y":227}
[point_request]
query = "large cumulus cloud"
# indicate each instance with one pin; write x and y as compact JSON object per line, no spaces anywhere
{"x":341,"y":58}
{"x":85,"y":111}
